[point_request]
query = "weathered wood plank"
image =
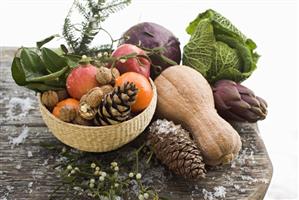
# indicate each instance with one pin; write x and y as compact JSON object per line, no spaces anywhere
{"x":248,"y":177}
{"x":9,"y":89}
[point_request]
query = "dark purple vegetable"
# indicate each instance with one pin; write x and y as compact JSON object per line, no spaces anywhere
{"x":150,"y":35}
{"x":236,"y":102}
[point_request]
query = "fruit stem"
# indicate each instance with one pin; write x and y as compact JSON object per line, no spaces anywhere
{"x":85,"y":60}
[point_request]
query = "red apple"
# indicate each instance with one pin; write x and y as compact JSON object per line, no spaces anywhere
{"x":81,"y":80}
{"x":132,"y":64}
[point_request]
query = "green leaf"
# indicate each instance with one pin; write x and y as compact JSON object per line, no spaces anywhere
{"x":255,"y":57}
{"x":220,"y":23}
{"x":52,"y":60}
{"x":64,"y":49}
{"x":230,"y":74}
{"x":29,"y":70}
{"x":72,"y":59}
{"x":41,"y":87}
{"x":225,"y":58}
{"x":48,"y":77}
{"x":231,"y":54}
{"x":225,"y":24}
{"x":46,"y":40}
{"x":31,"y":62}
{"x":199,"y":52}
{"x":244,"y":52}
{"x":220,"y":30}
{"x":193,"y":25}
{"x":59,"y":82}
{"x":17,"y":72}
{"x":250,"y":44}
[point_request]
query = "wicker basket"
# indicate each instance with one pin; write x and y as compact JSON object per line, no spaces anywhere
{"x":103,"y":138}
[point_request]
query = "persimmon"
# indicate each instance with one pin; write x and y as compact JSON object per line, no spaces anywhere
{"x":145,"y":91}
{"x":66,"y":102}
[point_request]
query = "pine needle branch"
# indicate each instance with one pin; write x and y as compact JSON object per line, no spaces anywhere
{"x":93,"y":13}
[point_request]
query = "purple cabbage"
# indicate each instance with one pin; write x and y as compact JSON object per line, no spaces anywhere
{"x":149,"y":35}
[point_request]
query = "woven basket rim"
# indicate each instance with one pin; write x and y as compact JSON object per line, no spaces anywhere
{"x":98,"y":127}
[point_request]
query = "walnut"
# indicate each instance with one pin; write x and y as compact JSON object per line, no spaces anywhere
{"x":106,"y":89}
{"x":83,"y":98}
{"x":67,"y":113}
{"x":81,"y":121}
{"x":104,"y":75}
{"x":115,"y":75}
{"x":93,"y":97}
{"x":89,"y":103}
{"x":50,"y":99}
{"x":62,"y":94}
{"x":86,"y":111}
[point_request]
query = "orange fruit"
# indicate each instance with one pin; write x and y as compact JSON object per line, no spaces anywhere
{"x":69,"y":102}
{"x":145,"y":91}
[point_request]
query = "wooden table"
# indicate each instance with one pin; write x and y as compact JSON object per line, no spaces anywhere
{"x":26,"y":172}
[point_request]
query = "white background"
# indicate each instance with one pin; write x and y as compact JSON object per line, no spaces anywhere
{"x":273,"y":25}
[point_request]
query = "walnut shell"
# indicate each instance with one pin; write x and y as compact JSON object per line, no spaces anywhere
{"x":81,"y":121}
{"x":67,"y":113}
{"x":115,"y":75}
{"x":50,"y":99}
{"x":104,"y":75}
{"x":106,"y":89}
{"x":86,"y":111}
{"x":83,"y":98}
{"x":93,"y":97}
{"x":62,"y":94}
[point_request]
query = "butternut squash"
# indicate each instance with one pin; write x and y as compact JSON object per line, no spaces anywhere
{"x":185,"y":97}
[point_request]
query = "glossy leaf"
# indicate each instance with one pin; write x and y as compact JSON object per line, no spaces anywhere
{"x":41,"y":87}
{"x":48,"y":77}
{"x":72,"y":59}
{"x":17,"y":72}
{"x":64,"y":49}
{"x":39,"y":44}
{"x":31,"y":62}
{"x":52,"y":60}
{"x":34,"y":69}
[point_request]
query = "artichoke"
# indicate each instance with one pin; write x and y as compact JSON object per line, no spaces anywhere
{"x":236,"y":102}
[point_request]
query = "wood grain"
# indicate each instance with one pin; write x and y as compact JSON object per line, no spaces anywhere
{"x":248,"y":177}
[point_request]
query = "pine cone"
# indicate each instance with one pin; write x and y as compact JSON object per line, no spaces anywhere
{"x":116,"y":106}
{"x":173,"y":146}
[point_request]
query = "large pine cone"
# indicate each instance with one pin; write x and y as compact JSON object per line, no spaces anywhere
{"x":116,"y":106}
{"x":174,"y":148}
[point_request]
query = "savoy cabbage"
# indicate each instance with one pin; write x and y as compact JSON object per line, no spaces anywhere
{"x":218,"y":50}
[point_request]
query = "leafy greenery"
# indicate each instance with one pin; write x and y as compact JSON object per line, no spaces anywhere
{"x":218,"y":50}
{"x":40,"y":69}
{"x":93,"y":12}
{"x":99,"y":176}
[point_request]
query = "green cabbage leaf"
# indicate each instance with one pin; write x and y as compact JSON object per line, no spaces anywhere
{"x":218,"y":50}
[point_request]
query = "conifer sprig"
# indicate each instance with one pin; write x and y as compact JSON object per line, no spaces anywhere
{"x":92,"y":13}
